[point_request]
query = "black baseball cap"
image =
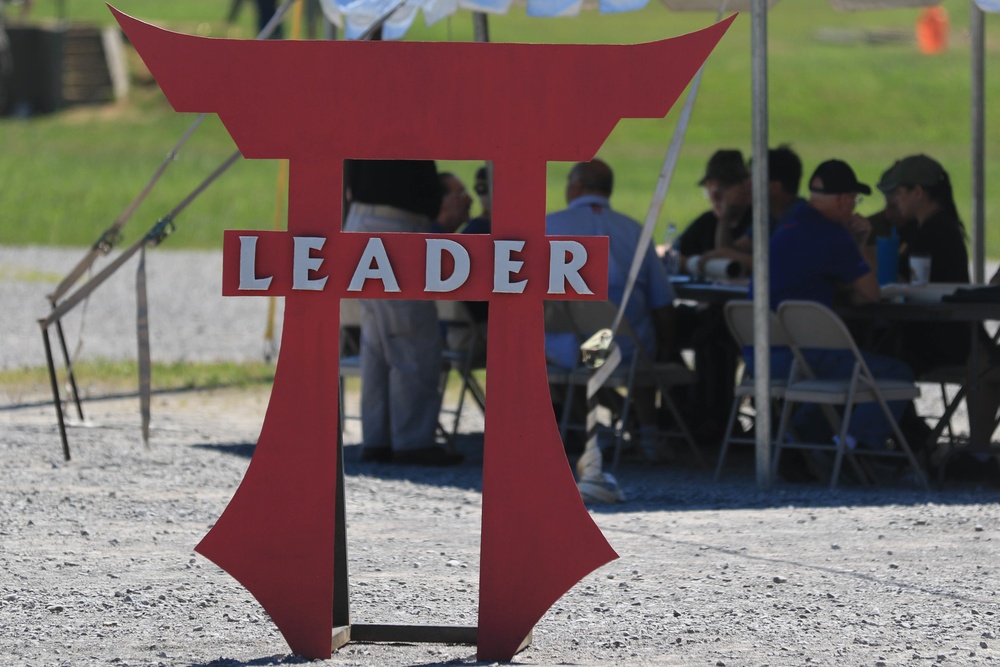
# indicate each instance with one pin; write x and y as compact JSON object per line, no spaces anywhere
{"x":727,"y":167}
{"x":835,"y":177}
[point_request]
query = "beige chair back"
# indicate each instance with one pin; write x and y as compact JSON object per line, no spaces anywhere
{"x":740,"y":321}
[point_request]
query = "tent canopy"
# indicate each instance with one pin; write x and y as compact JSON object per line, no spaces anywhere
{"x":354,"y":16}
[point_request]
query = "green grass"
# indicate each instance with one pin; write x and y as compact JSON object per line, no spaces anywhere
{"x":105,"y":375}
{"x":64,"y":178}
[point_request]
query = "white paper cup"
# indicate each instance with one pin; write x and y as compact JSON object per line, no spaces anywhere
{"x":920,"y":269}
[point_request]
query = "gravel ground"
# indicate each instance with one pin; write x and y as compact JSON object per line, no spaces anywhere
{"x":98,"y":566}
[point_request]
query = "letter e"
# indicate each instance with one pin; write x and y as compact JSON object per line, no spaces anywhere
{"x":303,"y":263}
{"x":504,"y":267}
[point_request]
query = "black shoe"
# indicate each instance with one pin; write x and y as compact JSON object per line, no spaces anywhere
{"x":376,"y":454}
{"x":427,"y":456}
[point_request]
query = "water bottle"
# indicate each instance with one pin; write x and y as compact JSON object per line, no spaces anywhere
{"x":672,"y":258}
{"x":887,"y":248}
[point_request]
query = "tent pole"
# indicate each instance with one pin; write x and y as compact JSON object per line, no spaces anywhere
{"x":480,"y":27}
{"x":761,"y":236}
{"x":977,"y":50}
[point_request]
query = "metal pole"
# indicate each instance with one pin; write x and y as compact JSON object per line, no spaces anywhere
{"x":55,"y":389}
{"x":977,"y":50}
{"x":761,"y":236}
{"x":480,"y":27}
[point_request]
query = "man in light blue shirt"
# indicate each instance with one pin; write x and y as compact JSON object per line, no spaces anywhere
{"x":650,"y":307}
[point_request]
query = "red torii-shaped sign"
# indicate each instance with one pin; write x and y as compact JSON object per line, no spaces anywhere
{"x":533,"y":103}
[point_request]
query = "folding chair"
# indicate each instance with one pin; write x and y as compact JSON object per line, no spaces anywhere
{"x":813,"y":326}
{"x":942,"y":377}
{"x":740,"y":321}
{"x":464,"y":353}
{"x":583,"y":319}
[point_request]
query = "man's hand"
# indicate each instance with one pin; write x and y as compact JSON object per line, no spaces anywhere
{"x":860,"y":228}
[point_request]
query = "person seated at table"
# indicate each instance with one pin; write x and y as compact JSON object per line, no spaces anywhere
{"x":784,"y":175}
{"x":650,"y":307}
{"x":456,"y":205}
{"x":481,"y":224}
{"x":890,"y":218}
{"x":713,"y":234}
{"x":918,"y":188}
{"x":816,"y":255}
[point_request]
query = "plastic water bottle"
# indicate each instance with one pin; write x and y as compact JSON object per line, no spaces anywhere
{"x":672,"y":258}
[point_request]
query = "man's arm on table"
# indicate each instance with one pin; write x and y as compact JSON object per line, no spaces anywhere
{"x":864,"y":290}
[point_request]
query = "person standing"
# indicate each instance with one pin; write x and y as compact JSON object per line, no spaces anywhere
{"x":400,"y":338}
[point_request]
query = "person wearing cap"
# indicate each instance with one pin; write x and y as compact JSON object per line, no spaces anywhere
{"x":890,"y":216}
{"x":816,"y":255}
{"x":713,"y":234}
{"x":919,"y":189}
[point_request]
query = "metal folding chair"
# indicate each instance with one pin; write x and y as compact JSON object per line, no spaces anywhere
{"x":583,"y":319}
{"x":813,"y":326}
{"x":464,"y":353}
{"x":740,"y":321}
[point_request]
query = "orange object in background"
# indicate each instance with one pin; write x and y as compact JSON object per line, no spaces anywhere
{"x":932,"y":30}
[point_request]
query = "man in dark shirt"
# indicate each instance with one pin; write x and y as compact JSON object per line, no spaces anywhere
{"x":713,"y":234}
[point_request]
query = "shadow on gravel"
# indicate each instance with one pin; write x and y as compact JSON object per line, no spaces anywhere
{"x":257,"y":662}
{"x":677,"y":487}
{"x":242,"y":449}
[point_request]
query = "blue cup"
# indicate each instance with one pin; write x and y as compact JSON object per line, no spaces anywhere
{"x":888,"y":258}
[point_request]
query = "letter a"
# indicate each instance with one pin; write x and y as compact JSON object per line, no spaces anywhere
{"x":381,"y":270}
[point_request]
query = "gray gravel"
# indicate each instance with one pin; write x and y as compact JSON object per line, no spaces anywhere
{"x":98,"y":567}
{"x":189,"y":319}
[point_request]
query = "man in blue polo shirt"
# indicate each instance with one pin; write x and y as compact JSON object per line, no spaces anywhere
{"x":650,"y":307}
{"x":818,"y":254}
